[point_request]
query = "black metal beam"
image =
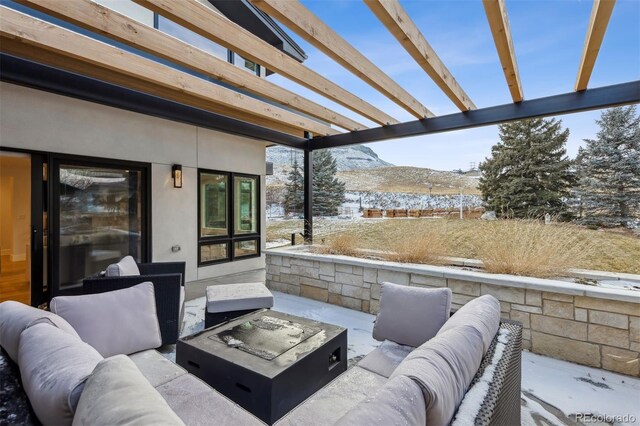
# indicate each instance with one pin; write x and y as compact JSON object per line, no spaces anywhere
{"x":308,"y":196}
{"x":43,"y":77}
{"x":602,"y":97}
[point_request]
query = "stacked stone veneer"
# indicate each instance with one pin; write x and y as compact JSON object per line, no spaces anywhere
{"x":582,"y":324}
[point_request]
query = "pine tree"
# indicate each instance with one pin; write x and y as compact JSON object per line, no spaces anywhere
{"x":294,"y":190}
{"x":609,"y":170}
{"x":328,"y":191}
{"x":528,"y":173}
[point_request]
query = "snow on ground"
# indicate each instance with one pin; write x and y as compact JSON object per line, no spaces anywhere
{"x":573,"y":389}
{"x":553,"y":391}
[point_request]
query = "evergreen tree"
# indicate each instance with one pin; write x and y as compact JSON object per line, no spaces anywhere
{"x":528,"y":173}
{"x":294,"y":190}
{"x":609,"y":169}
{"x":328,"y":191}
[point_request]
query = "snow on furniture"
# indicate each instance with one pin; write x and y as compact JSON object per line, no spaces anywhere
{"x":228,"y":301}
{"x":348,"y":396}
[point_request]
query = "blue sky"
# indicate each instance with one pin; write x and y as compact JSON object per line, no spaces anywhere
{"x":548,"y":37}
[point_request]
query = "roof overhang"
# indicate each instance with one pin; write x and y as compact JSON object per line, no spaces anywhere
{"x":259,"y":23}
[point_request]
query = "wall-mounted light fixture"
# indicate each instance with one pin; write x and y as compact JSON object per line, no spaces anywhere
{"x":176,"y":174}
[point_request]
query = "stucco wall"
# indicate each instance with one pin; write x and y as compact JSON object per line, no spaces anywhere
{"x":36,"y":120}
{"x":582,"y":324}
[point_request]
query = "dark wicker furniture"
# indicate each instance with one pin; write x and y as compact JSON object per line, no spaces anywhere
{"x":167,"y":278}
{"x":501,"y":404}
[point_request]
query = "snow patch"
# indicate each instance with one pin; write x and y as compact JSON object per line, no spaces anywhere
{"x":472,"y":402}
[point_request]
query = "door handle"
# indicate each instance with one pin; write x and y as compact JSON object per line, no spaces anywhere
{"x":34,"y":238}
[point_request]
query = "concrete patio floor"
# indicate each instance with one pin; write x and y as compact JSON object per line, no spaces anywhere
{"x":553,"y":391}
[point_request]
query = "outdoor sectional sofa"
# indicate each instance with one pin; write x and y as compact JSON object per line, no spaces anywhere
{"x":470,"y":366}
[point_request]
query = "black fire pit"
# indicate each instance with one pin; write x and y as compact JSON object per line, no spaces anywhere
{"x":266,"y":361}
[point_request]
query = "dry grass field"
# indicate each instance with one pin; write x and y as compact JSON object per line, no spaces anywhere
{"x":515,"y":247}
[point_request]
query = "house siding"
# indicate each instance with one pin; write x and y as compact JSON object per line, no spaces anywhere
{"x":31,"y":119}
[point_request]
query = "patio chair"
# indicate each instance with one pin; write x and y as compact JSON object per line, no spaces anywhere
{"x":168,"y":281}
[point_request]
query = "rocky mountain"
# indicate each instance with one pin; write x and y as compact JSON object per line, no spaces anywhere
{"x":355,"y":157}
{"x":355,"y":164}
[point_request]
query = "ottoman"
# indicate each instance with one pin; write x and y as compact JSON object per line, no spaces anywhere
{"x":228,"y":301}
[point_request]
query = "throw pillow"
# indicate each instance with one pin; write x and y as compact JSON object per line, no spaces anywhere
{"x":482,"y":313}
{"x":411,"y":315}
{"x":15,"y":317}
{"x":53,"y":367}
{"x":115,"y":322}
{"x":127,"y":266}
{"x":444,"y":367}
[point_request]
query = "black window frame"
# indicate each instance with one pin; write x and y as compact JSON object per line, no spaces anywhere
{"x":231,"y":238}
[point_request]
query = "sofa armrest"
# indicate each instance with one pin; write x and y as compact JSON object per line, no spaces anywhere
{"x":167,"y":294}
{"x":501,"y":404}
{"x":163,"y":268}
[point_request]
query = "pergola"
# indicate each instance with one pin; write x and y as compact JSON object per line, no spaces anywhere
{"x":39,"y":54}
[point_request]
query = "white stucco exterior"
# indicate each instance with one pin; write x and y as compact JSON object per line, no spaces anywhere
{"x":35,"y":120}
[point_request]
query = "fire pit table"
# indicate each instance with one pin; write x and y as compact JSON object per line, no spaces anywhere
{"x":268,"y":362}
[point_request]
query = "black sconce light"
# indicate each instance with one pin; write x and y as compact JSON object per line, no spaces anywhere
{"x":176,"y":174}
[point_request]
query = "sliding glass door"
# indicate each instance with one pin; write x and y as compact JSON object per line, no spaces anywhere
{"x":100,"y":217}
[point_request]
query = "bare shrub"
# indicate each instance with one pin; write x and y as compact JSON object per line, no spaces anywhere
{"x":342,"y":243}
{"x":525,"y":247}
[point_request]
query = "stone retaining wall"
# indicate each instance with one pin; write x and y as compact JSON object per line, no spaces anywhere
{"x":582,"y":324}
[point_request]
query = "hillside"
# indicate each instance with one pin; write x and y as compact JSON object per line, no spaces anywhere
{"x":363,"y":171}
{"x":408,"y":180}
{"x":348,"y":158}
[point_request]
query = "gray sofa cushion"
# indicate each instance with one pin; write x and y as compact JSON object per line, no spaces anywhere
{"x":54,"y":366}
{"x":444,"y":367}
{"x":198,"y":404}
{"x":411,"y":315}
{"x":384,"y":359}
{"x":398,"y":403}
{"x":483,"y":313}
{"x":15,"y":317}
{"x":116,"y":322}
{"x":335,"y":400}
{"x":117,"y":394}
{"x":126,"y":267}
{"x":157,"y":369}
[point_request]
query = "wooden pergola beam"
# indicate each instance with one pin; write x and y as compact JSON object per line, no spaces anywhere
{"x":303,"y":22}
{"x":157,"y":78}
{"x":205,"y":21}
{"x":399,"y":23}
{"x":499,"y":22}
{"x":600,"y":15}
{"x":16,"y":48}
{"x":102,"y":20}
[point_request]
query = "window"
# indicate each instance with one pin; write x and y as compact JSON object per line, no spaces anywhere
{"x":245,"y":204}
{"x":229,"y":216}
{"x":245,"y":64}
{"x":214,"y":220}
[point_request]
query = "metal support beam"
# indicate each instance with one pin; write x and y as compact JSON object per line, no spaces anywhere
{"x":602,"y":97}
{"x":308,"y":196}
{"x":43,"y":77}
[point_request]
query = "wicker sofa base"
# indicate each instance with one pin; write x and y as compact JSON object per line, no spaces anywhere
{"x":501,"y":405}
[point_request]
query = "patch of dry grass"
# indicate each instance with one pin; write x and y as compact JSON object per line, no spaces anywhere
{"x":531,"y":248}
{"x":429,"y":246}
{"x":514,"y":247}
{"x":344,"y":244}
